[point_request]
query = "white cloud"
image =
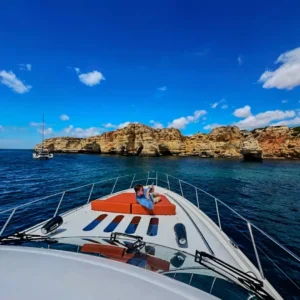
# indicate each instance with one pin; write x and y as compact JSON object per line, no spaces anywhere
{"x":92,"y":78}
{"x":79,"y":132}
{"x":197,"y":115}
{"x":264,"y":119}
{"x":284,"y":101}
{"x":68,"y":129}
{"x":77,"y":70}
{"x":1,"y":128}
{"x":119,"y":126}
{"x":291,"y":122}
{"x":64,"y":117}
{"x":25,"y":67}
{"x":224,"y":106}
{"x":212,"y":126}
{"x":10,"y":80}
{"x":92,"y":131}
{"x":287,"y":76}
{"x":214,"y":105}
{"x":180,"y":123}
{"x":125,"y":124}
{"x":47,"y":131}
{"x":156,"y":125}
{"x":163,"y":88}
{"x":243,"y":112}
{"x":110,"y":125}
{"x":35,"y":124}
{"x":240,"y":60}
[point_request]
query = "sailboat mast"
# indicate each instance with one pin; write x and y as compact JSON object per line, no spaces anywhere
{"x":43,"y":133}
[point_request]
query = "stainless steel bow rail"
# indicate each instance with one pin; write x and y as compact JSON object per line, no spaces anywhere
{"x":166,"y":181}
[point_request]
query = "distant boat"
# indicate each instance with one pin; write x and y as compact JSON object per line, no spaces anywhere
{"x":42,"y":153}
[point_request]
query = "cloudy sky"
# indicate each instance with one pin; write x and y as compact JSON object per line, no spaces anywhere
{"x":93,"y":66}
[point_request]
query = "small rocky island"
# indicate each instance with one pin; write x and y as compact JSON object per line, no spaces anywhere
{"x":278,"y":142}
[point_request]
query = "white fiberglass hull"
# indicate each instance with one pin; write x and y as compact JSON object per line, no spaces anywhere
{"x":42,"y":156}
{"x":202,"y":233}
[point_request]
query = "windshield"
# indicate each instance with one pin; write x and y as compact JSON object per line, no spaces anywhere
{"x":175,"y":264}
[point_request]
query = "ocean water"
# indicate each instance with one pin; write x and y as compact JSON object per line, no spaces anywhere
{"x":267,"y":194}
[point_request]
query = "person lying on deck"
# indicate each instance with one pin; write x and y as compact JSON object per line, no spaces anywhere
{"x":146,"y":197}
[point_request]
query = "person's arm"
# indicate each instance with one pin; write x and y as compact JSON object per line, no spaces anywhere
{"x":147,"y":193}
{"x":151,"y":188}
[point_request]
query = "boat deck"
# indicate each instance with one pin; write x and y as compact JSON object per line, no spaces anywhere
{"x":202,"y":233}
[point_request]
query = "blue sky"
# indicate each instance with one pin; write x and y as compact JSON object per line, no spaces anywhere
{"x":93,"y":66}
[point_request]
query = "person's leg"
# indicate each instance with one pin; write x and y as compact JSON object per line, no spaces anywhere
{"x":156,"y":199}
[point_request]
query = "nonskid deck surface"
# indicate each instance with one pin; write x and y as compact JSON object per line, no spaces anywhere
{"x":158,"y":229}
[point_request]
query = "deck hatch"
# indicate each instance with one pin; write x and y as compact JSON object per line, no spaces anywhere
{"x":114,"y":223}
{"x":133,"y":225}
{"x":95,"y":223}
{"x":153,"y":227}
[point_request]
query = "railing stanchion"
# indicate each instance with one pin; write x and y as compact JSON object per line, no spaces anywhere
{"x":197,"y":197}
{"x":255,"y":251}
{"x":168,"y":182}
{"x":132,"y":181}
{"x":90,"y":195}
{"x":156,"y":179}
{"x":8,"y":220}
{"x":58,"y":206}
{"x":114,"y":185}
{"x":217,"y":207}
{"x":147,"y":177}
{"x":180,"y":187}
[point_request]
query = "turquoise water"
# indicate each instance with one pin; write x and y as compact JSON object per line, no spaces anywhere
{"x":265,"y":193}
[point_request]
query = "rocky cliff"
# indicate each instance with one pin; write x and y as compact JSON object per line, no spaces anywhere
{"x":226,"y":141}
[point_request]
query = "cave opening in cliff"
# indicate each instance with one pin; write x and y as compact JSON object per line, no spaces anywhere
{"x":253,"y":157}
{"x":139,"y":150}
{"x":123,"y":150}
{"x":164,"y":150}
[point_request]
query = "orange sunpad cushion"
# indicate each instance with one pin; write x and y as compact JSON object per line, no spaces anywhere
{"x":123,"y":198}
{"x":119,"y":254}
{"x":126,"y":203}
{"x":107,"y":250}
{"x":158,"y":264}
{"x":120,"y":203}
{"x":104,"y":205}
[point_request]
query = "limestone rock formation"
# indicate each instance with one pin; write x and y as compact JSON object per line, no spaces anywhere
{"x":250,"y":148}
{"x":279,"y":142}
{"x":223,"y":142}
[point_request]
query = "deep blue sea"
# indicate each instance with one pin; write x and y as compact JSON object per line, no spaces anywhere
{"x":267,"y":194}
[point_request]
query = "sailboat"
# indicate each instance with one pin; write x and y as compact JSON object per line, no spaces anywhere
{"x":42,"y":153}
